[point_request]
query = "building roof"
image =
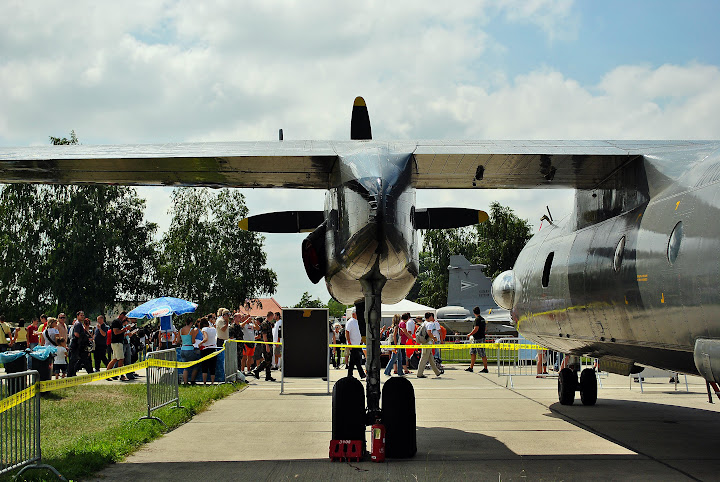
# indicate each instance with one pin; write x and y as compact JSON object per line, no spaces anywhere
{"x":261,"y":306}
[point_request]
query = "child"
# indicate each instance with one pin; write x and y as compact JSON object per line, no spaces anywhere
{"x":60,"y":365}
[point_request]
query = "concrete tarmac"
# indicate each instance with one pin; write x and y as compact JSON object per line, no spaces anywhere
{"x":469,"y":427}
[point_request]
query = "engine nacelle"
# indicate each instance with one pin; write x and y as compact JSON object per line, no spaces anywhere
{"x":314,"y":254}
{"x":503,"y":289}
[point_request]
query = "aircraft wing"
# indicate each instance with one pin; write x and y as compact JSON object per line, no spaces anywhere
{"x":308,"y":164}
{"x":291,"y":164}
{"x":535,"y":164}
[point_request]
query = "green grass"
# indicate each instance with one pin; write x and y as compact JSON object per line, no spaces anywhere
{"x":86,"y":428}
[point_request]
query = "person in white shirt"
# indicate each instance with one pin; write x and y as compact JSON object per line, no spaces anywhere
{"x":222,"y":325}
{"x":51,"y":332}
{"x":277,"y":337}
{"x":353,"y":336}
{"x":208,"y":346}
{"x":427,"y":352}
{"x":248,"y":328}
{"x":410,"y":326}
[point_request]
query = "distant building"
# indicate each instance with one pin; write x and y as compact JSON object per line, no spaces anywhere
{"x":261,"y":306}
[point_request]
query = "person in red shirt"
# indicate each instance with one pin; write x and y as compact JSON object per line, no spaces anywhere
{"x":32,"y":333}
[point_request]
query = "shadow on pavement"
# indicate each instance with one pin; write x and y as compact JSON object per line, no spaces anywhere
{"x":679,"y":437}
{"x":443,"y":453}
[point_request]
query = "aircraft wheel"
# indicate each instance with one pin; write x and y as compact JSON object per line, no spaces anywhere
{"x":398,"y":416}
{"x":348,"y":410}
{"x":588,"y":387}
{"x":567,"y":384}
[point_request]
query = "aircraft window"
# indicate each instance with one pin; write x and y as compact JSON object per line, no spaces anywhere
{"x":673,"y":248}
{"x":546,"y":270}
{"x":619,"y":252}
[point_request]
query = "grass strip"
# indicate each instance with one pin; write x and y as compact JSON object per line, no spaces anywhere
{"x":84,"y":429}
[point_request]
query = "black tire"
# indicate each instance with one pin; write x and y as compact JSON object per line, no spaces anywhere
{"x":398,"y":416}
{"x":588,"y":387}
{"x":567,"y":384}
{"x":348,"y":410}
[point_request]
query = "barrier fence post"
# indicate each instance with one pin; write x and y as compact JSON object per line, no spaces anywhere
{"x":20,"y":424}
{"x":163,"y":387}
{"x":231,"y":363}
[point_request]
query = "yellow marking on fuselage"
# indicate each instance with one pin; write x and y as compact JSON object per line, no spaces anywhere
{"x":642,"y":277}
{"x":662,"y":297}
{"x":677,"y":205}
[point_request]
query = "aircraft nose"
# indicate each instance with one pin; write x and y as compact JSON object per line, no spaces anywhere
{"x":503,"y":289}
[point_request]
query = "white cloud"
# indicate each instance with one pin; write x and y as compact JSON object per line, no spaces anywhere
{"x":184,"y":71}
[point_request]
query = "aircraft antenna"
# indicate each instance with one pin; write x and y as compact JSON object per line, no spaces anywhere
{"x":280,"y":134}
{"x":550,"y":215}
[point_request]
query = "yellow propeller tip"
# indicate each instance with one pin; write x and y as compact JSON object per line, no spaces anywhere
{"x":359,"y":102}
{"x":243,"y":224}
{"x":482,"y":216}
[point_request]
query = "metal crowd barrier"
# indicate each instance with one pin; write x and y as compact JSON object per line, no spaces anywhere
{"x":162,"y":383}
{"x":232,"y":369}
{"x":20,"y":424}
{"x":463,"y":355}
{"x":513,"y":362}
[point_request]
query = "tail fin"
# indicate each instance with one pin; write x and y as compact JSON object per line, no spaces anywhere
{"x":360,"y":123}
{"x":468,"y":286}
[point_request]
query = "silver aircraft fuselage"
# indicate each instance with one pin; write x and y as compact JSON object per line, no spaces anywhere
{"x":634,"y":274}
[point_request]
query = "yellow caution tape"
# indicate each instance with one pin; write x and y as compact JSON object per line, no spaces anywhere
{"x":18,"y":398}
{"x":50,"y":385}
{"x":257,"y":342}
{"x":452,"y":346}
{"x":46,"y":386}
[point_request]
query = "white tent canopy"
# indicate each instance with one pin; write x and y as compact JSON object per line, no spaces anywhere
{"x":404,"y":306}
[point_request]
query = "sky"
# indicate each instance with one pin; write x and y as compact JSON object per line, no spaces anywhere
{"x":183,"y":71}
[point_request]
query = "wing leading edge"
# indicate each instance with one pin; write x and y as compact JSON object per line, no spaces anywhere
{"x":309,"y":164}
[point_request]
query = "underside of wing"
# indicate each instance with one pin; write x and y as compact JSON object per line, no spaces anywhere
{"x":289,"y":164}
{"x":537,"y":164}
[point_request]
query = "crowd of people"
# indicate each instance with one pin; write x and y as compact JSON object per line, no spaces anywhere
{"x":404,"y":330}
{"x":123,"y":342}
{"x":79,"y":342}
{"x":201,"y":337}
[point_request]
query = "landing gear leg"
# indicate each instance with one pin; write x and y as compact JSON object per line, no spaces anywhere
{"x":372,"y":288}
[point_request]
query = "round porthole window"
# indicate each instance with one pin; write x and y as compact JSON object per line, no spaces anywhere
{"x":673,"y":248}
{"x":619,"y":252}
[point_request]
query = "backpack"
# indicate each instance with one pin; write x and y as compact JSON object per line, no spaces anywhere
{"x":421,"y":336}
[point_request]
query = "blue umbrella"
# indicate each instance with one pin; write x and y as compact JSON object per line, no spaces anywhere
{"x":162,"y":307}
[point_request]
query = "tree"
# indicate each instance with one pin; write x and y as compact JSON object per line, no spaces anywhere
{"x":102,"y":248}
{"x":67,"y":247}
{"x":495,"y":243}
{"x":307,"y":302}
{"x":336,"y":309}
{"x":206,"y":258}
{"x":57,"y":141}
{"x":500,"y":239}
{"x":439,"y":245}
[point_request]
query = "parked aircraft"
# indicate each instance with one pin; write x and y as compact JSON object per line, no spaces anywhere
{"x":633,"y":276}
{"x":468,"y":287}
{"x":632,"y":279}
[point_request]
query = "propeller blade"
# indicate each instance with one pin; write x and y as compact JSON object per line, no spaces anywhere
{"x":443,"y":218}
{"x":360,"y":123}
{"x":283,"y":222}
